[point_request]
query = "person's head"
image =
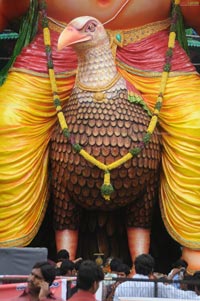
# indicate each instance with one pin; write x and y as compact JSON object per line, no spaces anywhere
{"x":196,"y":278}
{"x":67,"y":268}
{"x":114,"y":263}
{"x":180,"y":263}
{"x":41,"y":271}
{"x":123,"y":270}
{"x":144,"y":264}
{"x":187,"y":284}
{"x":62,"y":255}
{"x":89,"y":276}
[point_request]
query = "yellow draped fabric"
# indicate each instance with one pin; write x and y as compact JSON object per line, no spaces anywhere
{"x":180,"y":179}
{"x":26,"y":124}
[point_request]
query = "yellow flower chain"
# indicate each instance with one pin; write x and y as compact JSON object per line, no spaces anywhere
{"x":107,"y":188}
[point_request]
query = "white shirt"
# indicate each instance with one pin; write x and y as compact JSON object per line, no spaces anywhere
{"x":147,"y":289}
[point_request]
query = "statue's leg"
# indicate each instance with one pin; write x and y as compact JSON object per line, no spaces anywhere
{"x":67,"y":239}
{"x":139,"y":218}
{"x":66,"y":212}
{"x":138,"y":241}
{"x":66,"y":220}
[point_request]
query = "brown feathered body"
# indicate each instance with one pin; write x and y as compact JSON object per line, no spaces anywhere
{"x":104,"y":122}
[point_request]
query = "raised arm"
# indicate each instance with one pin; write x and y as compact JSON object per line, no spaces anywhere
{"x":10,"y":9}
{"x":191,"y":13}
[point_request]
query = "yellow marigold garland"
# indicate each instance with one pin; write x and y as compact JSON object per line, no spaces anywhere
{"x":107,"y":188}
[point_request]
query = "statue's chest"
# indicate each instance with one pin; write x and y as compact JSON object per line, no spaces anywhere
{"x":107,"y":131}
{"x":105,"y":123}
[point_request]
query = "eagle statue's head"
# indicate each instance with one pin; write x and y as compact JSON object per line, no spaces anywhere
{"x":83,"y":32}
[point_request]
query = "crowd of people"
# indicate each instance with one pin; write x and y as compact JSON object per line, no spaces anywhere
{"x":117,"y":278}
{"x":145,"y":282}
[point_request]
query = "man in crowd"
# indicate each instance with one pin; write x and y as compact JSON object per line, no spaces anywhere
{"x":61,"y":255}
{"x":39,"y":282}
{"x":88,"y":279}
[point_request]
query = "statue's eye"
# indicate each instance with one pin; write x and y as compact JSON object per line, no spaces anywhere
{"x":91,"y":27}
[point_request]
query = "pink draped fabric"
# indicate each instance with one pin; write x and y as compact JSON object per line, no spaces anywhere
{"x":147,"y":54}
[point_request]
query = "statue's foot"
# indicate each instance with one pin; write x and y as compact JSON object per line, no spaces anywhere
{"x":192,"y":257}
